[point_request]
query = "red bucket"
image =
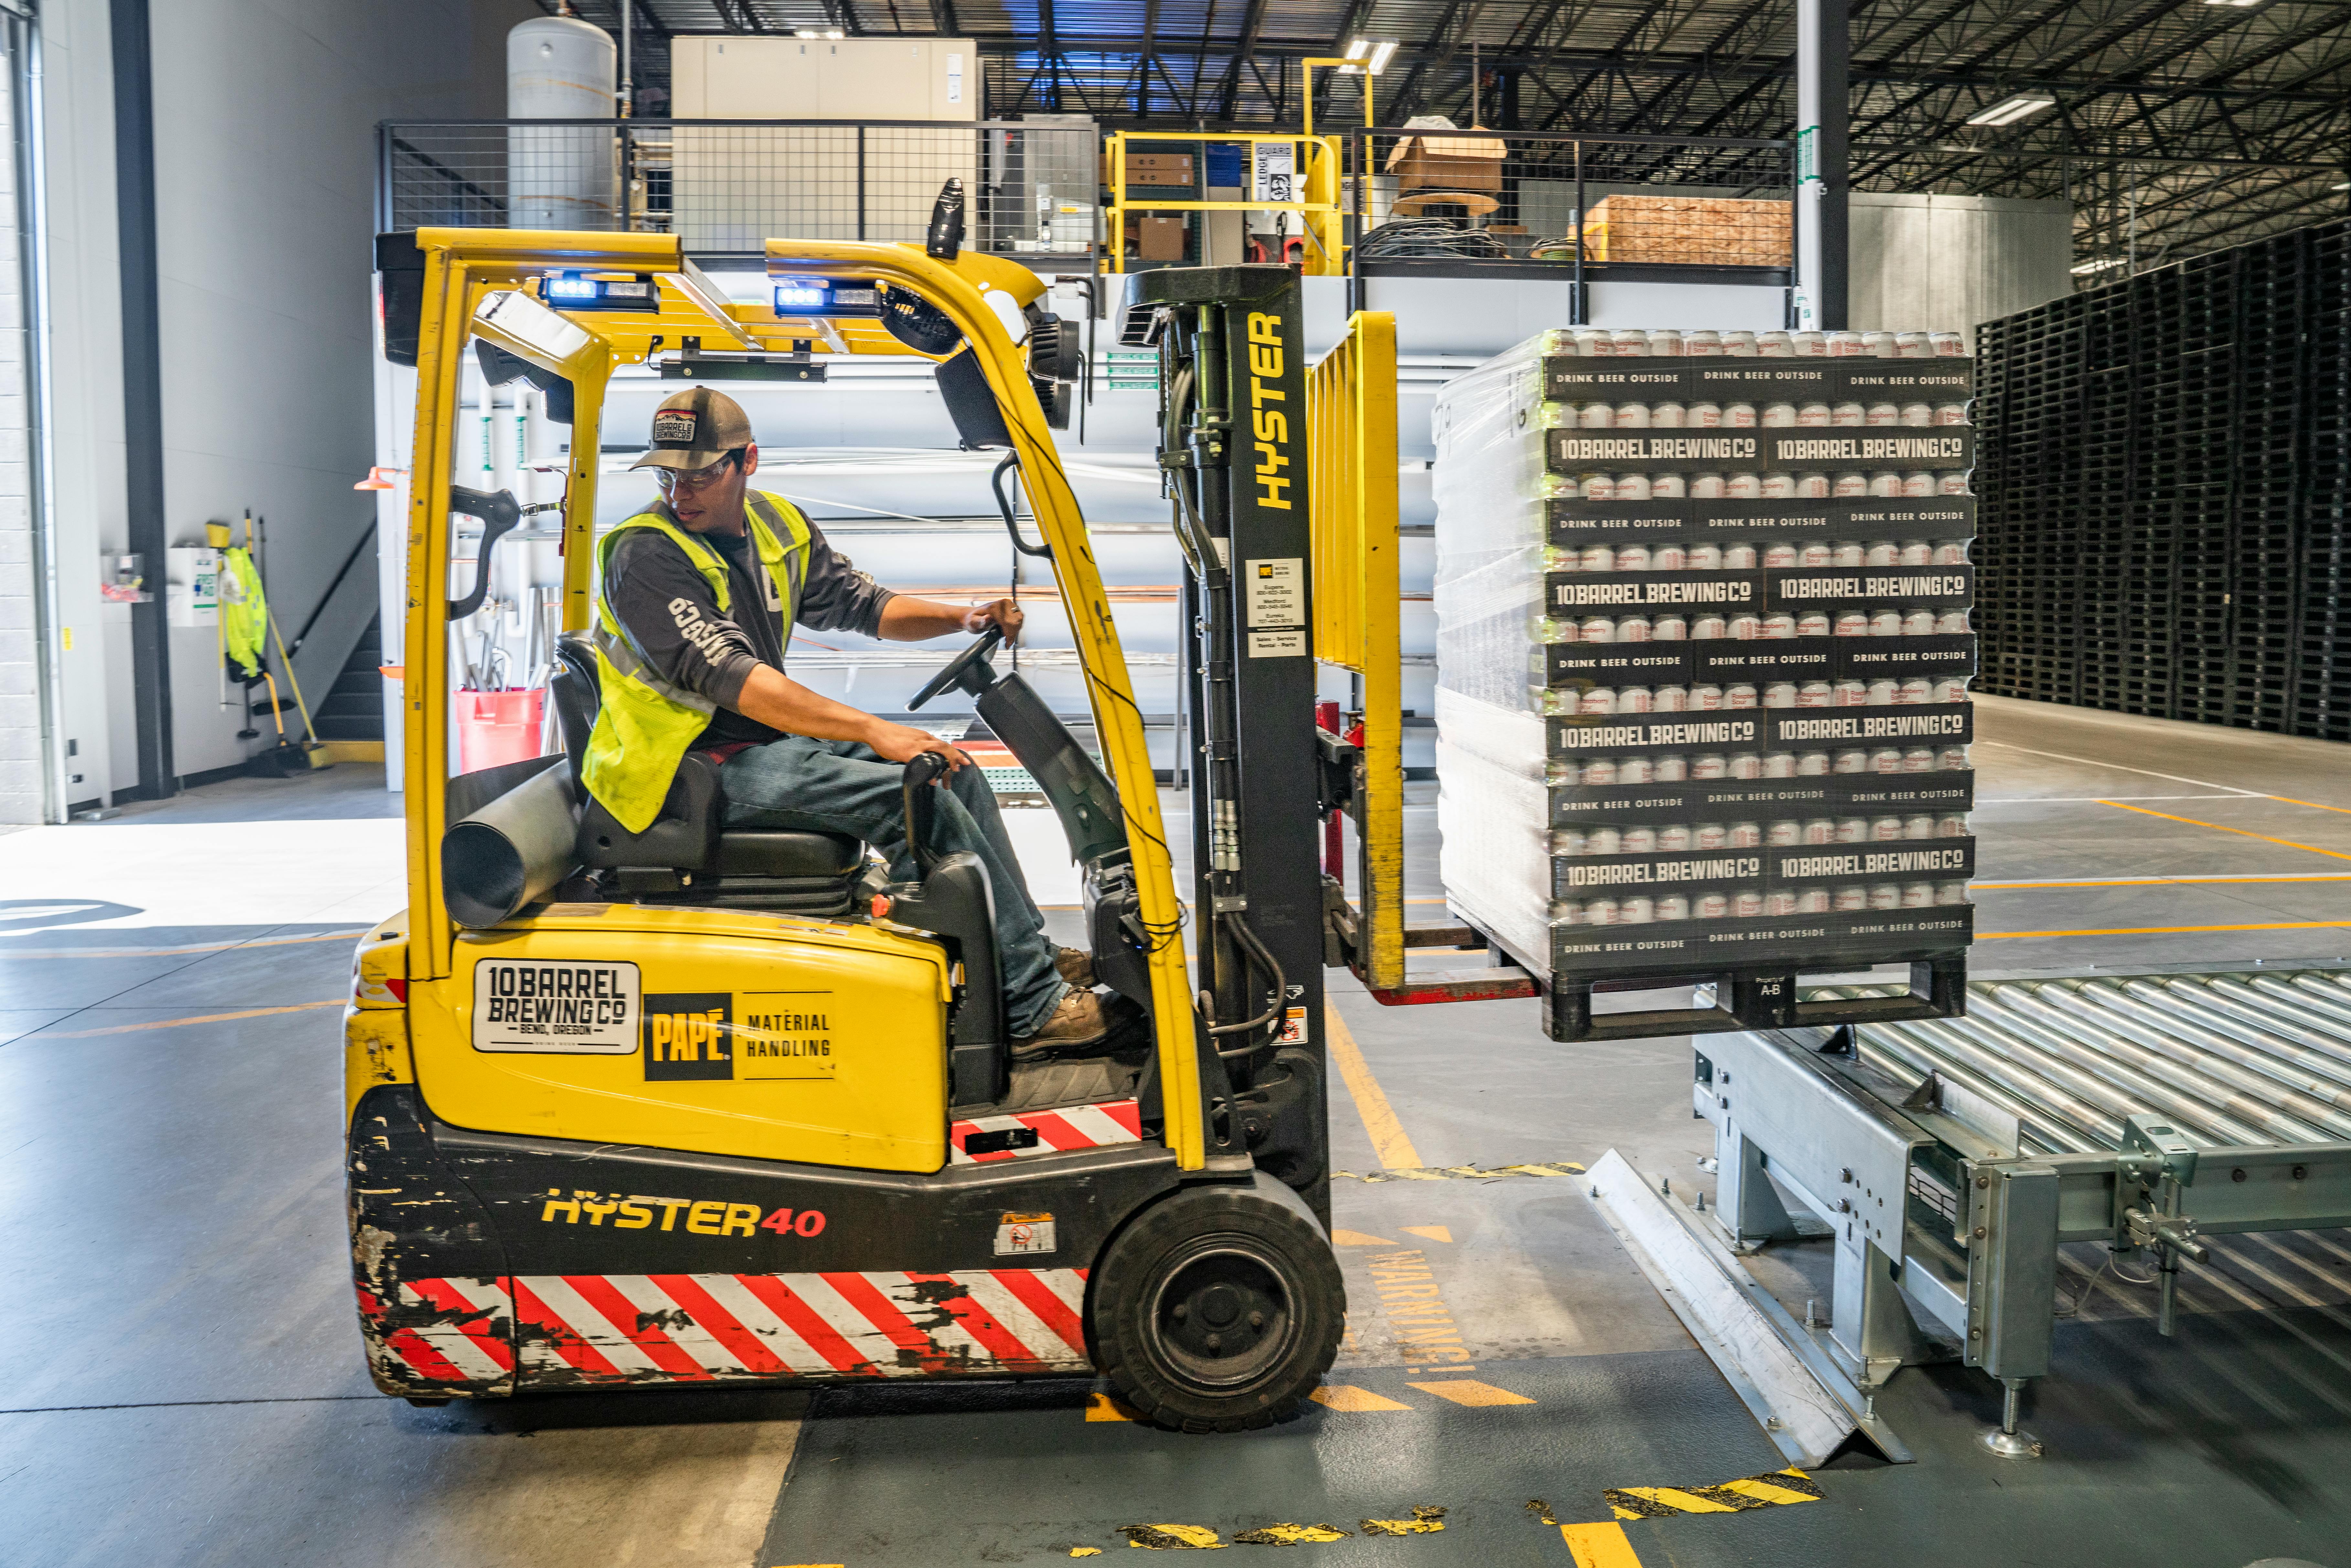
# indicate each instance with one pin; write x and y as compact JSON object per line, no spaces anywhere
{"x":496,"y":727}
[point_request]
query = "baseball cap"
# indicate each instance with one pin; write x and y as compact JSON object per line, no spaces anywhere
{"x":694,"y":429}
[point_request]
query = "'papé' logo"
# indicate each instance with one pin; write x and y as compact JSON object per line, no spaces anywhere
{"x":689,"y":1034}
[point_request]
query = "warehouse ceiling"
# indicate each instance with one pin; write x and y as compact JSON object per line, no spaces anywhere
{"x":2178,"y":126}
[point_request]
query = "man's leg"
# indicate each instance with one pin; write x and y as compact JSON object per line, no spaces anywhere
{"x":841,"y":786}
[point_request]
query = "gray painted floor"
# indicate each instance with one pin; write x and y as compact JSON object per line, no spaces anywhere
{"x":181,"y":1382}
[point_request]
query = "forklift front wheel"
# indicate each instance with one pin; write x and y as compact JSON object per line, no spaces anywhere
{"x":1218,"y":1309}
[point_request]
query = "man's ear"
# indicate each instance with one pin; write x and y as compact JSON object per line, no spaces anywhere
{"x":751,"y":458}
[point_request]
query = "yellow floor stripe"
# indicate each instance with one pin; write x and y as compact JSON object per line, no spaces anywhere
{"x":1357,"y":1238}
{"x":1433,"y":1232}
{"x":1171,"y":1536}
{"x":1789,"y":1486}
{"x":28,"y":952}
{"x":2217,"y":828}
{"x":2163,"y":930}
{"x":1469,"y":1391}
{"x":1459,"y":1173}
{"x":206,"y":1017}
{"x":1424,"y":1520}
{"x":1387,"y":1134}
{"x":1763,"y":1490}
{"x":2313,"y":805}
{"x":1339,"y":1397}
{"x":1600,"y":1546}
{"x":1108,"y":1407}
{"x":1290,"y":1534}
{"x":1650,"y":1502}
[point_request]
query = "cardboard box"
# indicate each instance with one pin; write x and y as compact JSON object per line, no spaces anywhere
{"x":1160,"y":169}
{"x":1161,"y":236}
{"x":1446,"y":162}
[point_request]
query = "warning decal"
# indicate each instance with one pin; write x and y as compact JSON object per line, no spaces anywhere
{"x":574,"y":1007}
{"x":1019,"y":1233}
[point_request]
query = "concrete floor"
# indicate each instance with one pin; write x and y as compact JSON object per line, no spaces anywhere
{"x":183,"y":1382}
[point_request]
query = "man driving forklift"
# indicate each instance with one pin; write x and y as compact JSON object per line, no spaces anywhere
{"x":696,"y":601}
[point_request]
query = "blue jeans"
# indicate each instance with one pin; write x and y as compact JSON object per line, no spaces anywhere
{"x":843,"y":787}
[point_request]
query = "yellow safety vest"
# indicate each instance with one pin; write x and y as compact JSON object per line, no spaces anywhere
{"x":644,"y":724}
{"x":243,"y":612}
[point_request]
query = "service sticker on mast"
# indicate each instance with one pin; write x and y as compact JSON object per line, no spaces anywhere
{"x":574,"y":1007}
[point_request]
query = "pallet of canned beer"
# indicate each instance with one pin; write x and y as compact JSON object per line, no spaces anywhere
{"x":1703,"y":655}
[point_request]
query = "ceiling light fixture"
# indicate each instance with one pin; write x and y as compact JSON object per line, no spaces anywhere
{"x":2346,"y":185}
{"x":1374,"y":53}
{"x":2007,"y":112}
{"x":2089,"y":266}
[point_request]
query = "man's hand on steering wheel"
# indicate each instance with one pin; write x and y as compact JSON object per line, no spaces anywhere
{"x":904,"y":743}
{"x":1005,"y":614}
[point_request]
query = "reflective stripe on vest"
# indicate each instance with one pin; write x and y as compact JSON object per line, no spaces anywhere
{"x":645,"y":723}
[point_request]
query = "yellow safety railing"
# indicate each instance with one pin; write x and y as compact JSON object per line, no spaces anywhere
{"x":1316,"y":170}
{"x":1351,"y":402}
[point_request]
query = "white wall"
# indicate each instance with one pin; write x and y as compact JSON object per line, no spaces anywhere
{"x":87,"y":498}
{"x":264,"y":113}
{"x":264,"y":172}
{"x":1923,"y":263}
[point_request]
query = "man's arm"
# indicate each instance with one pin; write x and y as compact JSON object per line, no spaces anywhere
{"x":837,"y":597}
{"x":906,"y":619}
{"x":777,"y":700}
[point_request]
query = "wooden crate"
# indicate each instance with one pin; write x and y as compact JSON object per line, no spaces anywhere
{"x":1695,"y":230}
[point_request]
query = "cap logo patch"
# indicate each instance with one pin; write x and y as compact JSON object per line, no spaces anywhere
{"x":675,"y":427}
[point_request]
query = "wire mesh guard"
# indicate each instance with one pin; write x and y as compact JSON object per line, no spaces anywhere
{"x":725,"y":186}
{"x":1480,"y":194}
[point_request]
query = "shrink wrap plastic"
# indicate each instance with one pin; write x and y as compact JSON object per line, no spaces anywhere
{"x":1710,"y":696}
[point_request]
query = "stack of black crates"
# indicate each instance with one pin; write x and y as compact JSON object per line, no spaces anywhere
{"x":2162,"y":499}
{"x":1703,"y":649}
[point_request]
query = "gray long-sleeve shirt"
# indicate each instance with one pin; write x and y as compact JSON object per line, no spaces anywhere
{"x":667,"y":612}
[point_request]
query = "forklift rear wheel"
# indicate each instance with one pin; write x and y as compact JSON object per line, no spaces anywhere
{"x":1218,"y":1309}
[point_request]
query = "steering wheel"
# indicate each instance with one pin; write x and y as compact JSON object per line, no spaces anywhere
{"x":959,"y":667}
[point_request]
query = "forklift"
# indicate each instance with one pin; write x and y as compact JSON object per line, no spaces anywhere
{"x":704,"y":1105}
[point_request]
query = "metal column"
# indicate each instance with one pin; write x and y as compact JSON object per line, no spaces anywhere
{"x":1824,"y":45}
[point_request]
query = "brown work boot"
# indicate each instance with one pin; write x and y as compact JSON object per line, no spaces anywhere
{"x":1076,"y":967}
{"x":1076,"y":1021}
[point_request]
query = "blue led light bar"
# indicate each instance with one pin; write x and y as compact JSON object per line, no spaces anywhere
{"x":802,"y":296}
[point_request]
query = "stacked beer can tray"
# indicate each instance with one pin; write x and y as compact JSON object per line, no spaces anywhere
{"x":1703,"y":651}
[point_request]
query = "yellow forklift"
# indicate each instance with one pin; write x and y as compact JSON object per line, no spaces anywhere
{"x":704,"y":1105}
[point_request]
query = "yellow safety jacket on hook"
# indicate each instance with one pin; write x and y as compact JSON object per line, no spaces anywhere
{"x":243,"y":612}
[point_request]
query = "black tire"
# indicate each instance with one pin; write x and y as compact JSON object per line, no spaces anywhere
{"x":1219,"y":1309}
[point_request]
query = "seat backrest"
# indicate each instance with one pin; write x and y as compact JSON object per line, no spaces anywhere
{"x":577,"y":697}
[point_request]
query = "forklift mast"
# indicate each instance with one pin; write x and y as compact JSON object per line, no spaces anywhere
{"x":1233,"y":452}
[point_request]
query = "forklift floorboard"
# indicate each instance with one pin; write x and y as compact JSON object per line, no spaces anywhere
{"x":184,"y":1384}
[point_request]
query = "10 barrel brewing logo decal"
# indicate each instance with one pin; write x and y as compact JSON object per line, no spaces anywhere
{"x":555,"y":1007}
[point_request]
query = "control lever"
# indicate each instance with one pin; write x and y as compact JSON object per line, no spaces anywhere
{"x":919,"y":803}
{"x":499,"y":513}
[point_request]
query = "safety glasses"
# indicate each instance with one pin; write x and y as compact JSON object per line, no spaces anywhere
{"x":672,"y":480}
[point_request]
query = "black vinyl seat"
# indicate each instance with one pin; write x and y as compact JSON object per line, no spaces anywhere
{"x":688,"y":854}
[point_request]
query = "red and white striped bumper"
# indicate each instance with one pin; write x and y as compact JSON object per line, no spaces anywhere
{"x":1057,"y":1132}
{"x":551,"y":1331}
